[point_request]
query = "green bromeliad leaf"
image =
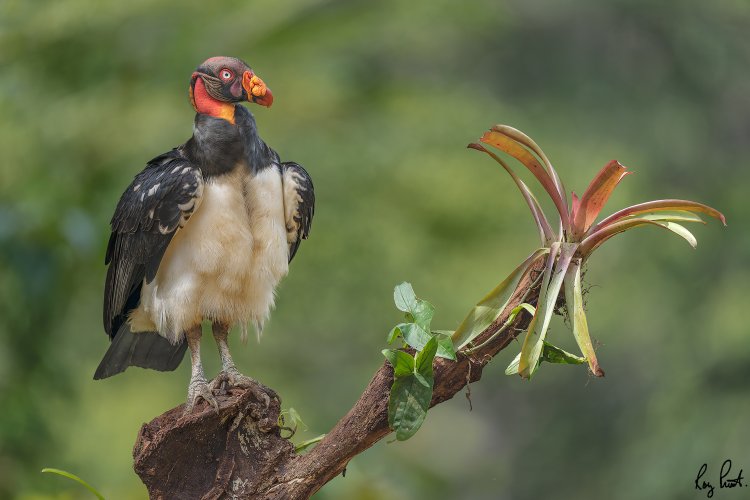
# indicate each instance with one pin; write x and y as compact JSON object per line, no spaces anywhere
{"x":554,"y":354}
{"x":673,"y":216}
{"x":489,"y":308}
{"x":550,"y":354}
{"x":597,"y":238}
{"x":577,"y":316}
{"x":554,"y":273}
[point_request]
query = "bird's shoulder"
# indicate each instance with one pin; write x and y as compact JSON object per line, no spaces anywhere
{"x":160,"y":195}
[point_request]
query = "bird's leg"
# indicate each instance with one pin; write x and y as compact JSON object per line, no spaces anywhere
{"x":229,"y":373}
{"x":230,"y":376}
{"x":198,"y":387}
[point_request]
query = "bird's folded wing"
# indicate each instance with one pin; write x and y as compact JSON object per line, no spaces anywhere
{"x":299,"y":204}
{"x":156,"y":204}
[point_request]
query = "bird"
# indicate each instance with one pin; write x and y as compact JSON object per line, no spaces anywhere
{"x":203,"y":234}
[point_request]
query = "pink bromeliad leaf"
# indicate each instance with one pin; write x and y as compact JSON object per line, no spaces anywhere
{"x":546,"y":234}
{"x":658,"y":206}
{"x":596,"y":195}
{"x":594,"y":240}
{"x":548,"y":181}
{"x":527,"y":141}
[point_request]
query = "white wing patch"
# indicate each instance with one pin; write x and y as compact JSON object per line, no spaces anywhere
{"x":299,"y":204}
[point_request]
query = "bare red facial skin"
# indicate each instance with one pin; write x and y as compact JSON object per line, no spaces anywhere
{"x":207,"y":105}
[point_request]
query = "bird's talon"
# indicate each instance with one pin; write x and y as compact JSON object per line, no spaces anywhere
{"x":200,"y":390}
{"x":231,"y":377}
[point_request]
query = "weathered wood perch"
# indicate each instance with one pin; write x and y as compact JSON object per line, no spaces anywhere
{"x":239,"y":452}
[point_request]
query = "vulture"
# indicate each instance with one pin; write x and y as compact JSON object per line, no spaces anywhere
{"x":204,"y":233}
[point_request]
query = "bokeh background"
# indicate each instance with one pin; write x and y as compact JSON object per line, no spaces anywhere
{"x":378,"y":100}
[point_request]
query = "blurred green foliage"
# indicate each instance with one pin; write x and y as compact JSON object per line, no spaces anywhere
{"x":377,"y":100}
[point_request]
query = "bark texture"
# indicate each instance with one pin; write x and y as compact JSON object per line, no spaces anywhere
{"x":239,"y":452}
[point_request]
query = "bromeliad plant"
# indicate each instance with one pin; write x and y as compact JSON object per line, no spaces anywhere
{"x":566,"y":249}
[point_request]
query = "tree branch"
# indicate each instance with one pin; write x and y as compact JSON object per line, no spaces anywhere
{"x":239,"y":452}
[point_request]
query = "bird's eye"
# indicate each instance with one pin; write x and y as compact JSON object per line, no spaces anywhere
{"x":225,"y":74}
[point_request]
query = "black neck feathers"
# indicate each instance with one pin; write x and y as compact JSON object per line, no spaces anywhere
{"x":217,"y":146}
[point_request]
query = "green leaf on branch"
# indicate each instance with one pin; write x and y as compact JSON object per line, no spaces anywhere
{"x":395,"y":333}
{"x":423,"y":362}
{"x":408,"y":404}
{"x":402,"y":362}
{"x":415,"y":335}
{"x":404,"y":297}
{"x":416,"y":331}
{"x":413,"y":377}
{"x":423,"y":313}
{"x":417,"y":310}
{"x":445,"y":347}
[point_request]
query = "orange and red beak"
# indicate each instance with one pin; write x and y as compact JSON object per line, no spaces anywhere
{"x":256,"y":90}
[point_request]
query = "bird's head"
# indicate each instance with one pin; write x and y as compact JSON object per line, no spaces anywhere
{"x":221,"y":81}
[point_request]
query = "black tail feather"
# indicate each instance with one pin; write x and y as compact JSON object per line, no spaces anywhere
{"x":144,"y":349}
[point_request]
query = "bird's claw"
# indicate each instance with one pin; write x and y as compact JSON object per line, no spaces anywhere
{"x":200,"y":389}
{"x":231,"y":377}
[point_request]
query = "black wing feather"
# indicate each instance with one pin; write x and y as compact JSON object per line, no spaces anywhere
{"x":300,"y":206}
{"x":159,"y":200}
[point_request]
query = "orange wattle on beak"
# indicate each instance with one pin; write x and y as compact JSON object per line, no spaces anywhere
{"x":256,"y":89}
